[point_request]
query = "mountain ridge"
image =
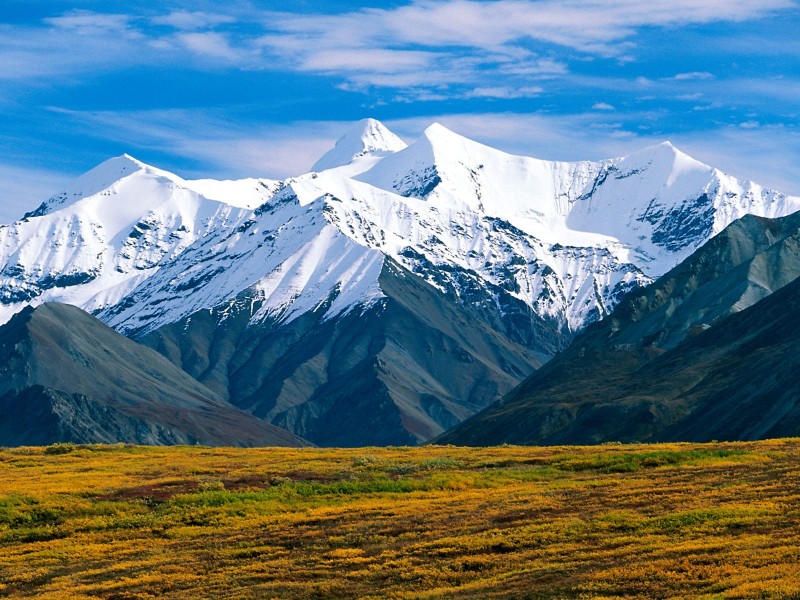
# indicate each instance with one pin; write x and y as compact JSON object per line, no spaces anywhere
{"x":552,"y":213}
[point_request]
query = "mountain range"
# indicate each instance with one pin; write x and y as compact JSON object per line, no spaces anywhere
{"x":383,"y":297}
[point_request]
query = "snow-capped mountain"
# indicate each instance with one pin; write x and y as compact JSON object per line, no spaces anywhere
{"x":95,"y":242}
{"x":368,"y":137}
{"x":535,"y":249}
{"x":568,"y":239}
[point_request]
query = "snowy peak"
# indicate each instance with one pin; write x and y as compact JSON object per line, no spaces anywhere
{"x":440,"y":162}
{"x":665,"y":161}
{"x":442,"y":138}
{"x":446,"y":147}
{"x":107,"y":173}
{"x":96,"y":180}
{"x":111,"y":229}
{"x":367,"y":137}
{"x":375,"y":137}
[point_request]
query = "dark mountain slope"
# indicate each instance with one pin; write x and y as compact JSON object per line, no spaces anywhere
{"x":65,"y":376}
{"x":674,"y":361}
{"x":400,"y":371}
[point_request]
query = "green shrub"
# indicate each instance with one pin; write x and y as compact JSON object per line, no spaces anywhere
{"x":60,"y":448}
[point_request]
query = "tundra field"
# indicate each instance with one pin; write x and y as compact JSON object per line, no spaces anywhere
{"x":719,"y":520}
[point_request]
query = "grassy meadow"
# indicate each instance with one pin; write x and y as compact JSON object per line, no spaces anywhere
{"x":634,"y":521}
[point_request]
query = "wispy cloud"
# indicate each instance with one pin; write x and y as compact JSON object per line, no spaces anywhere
{"x":83,"y":42}
{"x":693,"y":76}
{"x":465,"y":28}
{"x":376,"y":60}
{"x":586,"y":25}
{"x":505,"y":92}
{"x":408,"y":46}
{"x":220,"y":146}
{"x":88,"y":23}
{"x":209,"y":43}
{"x":78,"y":42}
{"x":192,"y":20}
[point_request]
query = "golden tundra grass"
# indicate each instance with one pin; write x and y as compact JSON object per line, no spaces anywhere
{"x":655,"y":521}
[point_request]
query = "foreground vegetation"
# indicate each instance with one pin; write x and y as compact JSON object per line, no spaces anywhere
{"x":657,"y":521}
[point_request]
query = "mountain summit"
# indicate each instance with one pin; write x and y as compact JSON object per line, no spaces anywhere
{"x":367,"y":137}
{"x":103,"y":176}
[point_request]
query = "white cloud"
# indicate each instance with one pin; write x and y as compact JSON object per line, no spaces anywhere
{"x":457,"y":40}
{"x":87,"y":23}
{"x":504,"y":92}
{"x":420,"y":48}
{"x":371,"y":60}
{"x":586,"y":25}
{"x":209,"y":43}
{"x":192,"y":20}
{"x":77,"y":42}
{"x":602,"y":106}
{"x":693,"y":76}
{"x":711,"y":106}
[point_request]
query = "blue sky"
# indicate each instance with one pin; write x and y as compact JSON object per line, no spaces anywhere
{"x":236,"y":89}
